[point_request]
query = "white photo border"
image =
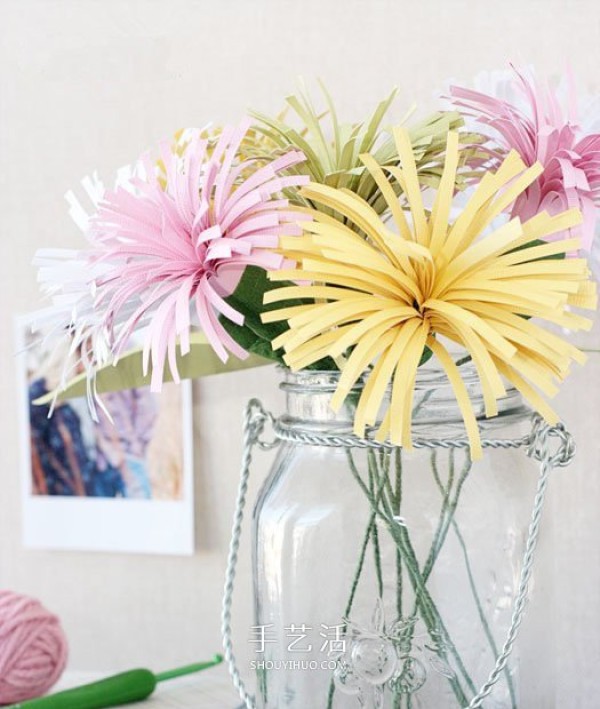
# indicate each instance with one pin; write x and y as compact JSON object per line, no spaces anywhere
{"x":103,"y":524}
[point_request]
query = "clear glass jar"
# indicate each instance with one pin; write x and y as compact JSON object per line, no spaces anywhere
{"x":388,"y":578}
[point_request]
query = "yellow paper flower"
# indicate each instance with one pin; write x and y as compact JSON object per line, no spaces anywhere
{"x":381,"y":296}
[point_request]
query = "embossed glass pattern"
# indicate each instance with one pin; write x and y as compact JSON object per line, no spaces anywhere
{"x":387,"y":578}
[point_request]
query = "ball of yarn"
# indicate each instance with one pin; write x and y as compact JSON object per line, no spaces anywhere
{"x":33,"y":648}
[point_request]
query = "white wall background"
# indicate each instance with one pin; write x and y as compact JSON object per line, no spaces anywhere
{"x":89,"y":84}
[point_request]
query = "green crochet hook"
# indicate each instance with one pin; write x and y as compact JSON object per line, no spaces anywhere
{"x":124,"y":688}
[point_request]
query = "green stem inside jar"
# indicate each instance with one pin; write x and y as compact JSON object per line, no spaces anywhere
{"x":425,"y":604}
{"x":384,"y":494}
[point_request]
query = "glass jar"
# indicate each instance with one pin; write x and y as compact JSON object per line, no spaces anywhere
{"x":387,"y":578}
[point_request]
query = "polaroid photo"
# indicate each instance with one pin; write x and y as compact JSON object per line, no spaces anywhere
{"x":124,"y":485}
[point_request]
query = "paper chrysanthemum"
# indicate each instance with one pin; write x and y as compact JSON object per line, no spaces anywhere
{"x":381,"y":297}
{"x":333,"y":148}
{"x":170,"y":245}
{"x":530,"y":118}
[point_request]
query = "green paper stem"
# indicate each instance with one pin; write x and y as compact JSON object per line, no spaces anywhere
{"x":189,"y":669}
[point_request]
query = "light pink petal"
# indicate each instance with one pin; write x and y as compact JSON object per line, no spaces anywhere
{"x":218,"y":303}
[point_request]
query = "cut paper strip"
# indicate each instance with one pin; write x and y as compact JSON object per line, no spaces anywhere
{"x":370,"y":299}
{"x":334,"y":150}
{"x":168,"y":247}
{"x":534,"y":124}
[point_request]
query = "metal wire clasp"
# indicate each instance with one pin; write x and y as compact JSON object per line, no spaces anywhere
{"x":539,"y":443}
{"x":256,"y":417}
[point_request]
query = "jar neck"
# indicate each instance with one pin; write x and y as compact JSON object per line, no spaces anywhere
{"x":308,"y":400}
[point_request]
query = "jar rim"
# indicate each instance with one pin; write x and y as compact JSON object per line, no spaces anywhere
{"x":435,"y":400}
{"x":322,"y":380}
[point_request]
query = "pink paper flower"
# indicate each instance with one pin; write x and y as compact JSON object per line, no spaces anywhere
{"x":536,"y":125}
{"x":163,"y":259}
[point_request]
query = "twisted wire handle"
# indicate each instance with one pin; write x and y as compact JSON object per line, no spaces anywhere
{"x":254,"y":421}
{"x":537,"y":445}
{"x":539,"y":448}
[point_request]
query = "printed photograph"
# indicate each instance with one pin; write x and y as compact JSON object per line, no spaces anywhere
{"x":138,"y":449}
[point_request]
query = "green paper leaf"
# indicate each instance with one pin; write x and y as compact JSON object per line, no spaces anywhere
{"x":538,"y":242}
{"x":426,"y":356}
{"x":201,"y":361}
{"x":256,"y":336}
